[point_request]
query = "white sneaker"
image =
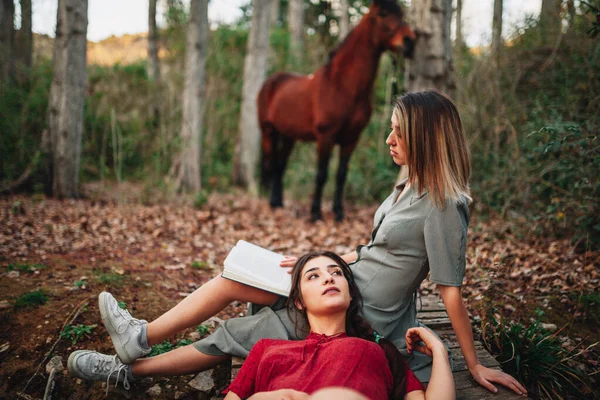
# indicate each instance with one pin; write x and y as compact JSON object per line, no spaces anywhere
{"x":93,"y":366}
{"x":124,"y":330}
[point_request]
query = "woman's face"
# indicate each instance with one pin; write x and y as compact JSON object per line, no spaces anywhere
{"x":397,"y":145}
{"x":324,"y":287}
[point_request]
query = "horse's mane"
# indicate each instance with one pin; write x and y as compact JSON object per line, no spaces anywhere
{"x":390,"y":6}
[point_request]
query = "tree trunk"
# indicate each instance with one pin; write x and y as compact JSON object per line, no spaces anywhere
{"x":153,"y":65}
{"x":460,"y":41}
{"x":188,"y":166}
{"x":550,"y":20}
{"x":25,"y":35}
{"x":497,"y":30}
{"x":296,"y":27}
{"x":275,"y":7}
{"x":344,"y":20}
{"x":255,"y":68}
{"x":67,"y":94}
{"x":7,"y":39}
{"x":431,"y":66}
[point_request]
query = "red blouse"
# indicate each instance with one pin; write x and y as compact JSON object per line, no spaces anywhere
{"x":317,"y":362}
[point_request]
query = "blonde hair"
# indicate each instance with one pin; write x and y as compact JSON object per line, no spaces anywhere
{"x":437,"y":153}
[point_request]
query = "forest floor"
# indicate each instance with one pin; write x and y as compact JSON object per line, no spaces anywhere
{"x":149,"y":257}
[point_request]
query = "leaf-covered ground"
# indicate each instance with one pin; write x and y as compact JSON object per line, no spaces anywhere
{"x":151,"y":256}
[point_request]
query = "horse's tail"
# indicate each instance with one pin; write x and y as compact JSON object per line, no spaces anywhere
{"x":269,"y":134}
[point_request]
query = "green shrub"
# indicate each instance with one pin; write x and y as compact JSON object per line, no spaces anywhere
{"x":77,"y":332}
{"x":32,"y":299}
{"x":161,"y":348}
{"x":536,"y":357}
{"x":24,"y":267}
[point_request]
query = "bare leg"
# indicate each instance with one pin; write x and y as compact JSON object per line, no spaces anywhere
{"x":181,"y":361}
{"x":205,"y":302}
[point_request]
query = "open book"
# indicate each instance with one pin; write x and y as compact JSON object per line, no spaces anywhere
{"x":251,"y":264}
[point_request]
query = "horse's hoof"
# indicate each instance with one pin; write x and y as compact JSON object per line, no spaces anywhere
{"x":314,"y":217}
{"x":276,"y":204}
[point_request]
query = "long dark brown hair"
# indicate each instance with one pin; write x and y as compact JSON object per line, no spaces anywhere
{"x":356,"y":325}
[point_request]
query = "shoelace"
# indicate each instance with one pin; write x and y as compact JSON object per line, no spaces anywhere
{"x":111,"y":366}
{"x":127,"y":320}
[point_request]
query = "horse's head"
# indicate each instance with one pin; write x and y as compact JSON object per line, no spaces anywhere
{"x":390,"y":31}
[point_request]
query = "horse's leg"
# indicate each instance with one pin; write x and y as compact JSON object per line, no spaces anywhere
{"x":281,"y":156}
{"x":324,"y":149}
{"x":340,"y":181}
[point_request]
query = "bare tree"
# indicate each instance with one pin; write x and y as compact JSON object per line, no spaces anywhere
{"x":431,"y":66}
{"x":497,"y":29}
{"x":7,"y":39}
{"x":460,"y":41}
{"x":25,"y":35}
{"x":153,"y":65}
{"x":65,"y":110}
{"x":187,"y":166}
{"x":255,"y":68}
{"x":275,"y":7}
{"x":344,"y":20}
{"x":296,"y":27}
{"x":550,"y":19}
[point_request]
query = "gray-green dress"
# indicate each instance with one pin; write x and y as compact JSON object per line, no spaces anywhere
{"x":411,"y":238}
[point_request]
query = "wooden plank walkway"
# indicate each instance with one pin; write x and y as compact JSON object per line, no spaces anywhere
{"x":431,"y":312}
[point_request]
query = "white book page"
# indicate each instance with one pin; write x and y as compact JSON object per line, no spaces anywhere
{"x":258,"y":264}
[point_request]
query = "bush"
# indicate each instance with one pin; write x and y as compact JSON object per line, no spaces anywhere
{"x":32,"y":299}
{"x":77,"y":332}
{"x":537,"y":358}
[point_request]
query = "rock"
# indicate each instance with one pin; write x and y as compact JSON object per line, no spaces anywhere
{"x":203,"y":382}
{"x":549,"y":327}
{"x":194,"y":336}
{"x":56,"y":363}
{"x":154,"y":391}
{"x":13,"y":274}
{"x":179,"y":395}
{"x":4,"y":304}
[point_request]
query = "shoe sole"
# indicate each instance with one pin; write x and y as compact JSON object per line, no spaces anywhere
{"x":114,"y":336}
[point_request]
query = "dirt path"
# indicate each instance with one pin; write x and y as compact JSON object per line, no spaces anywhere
{"x":150,"y":257}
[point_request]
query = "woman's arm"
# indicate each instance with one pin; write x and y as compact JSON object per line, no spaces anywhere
{"x":350,"y":257}
{"x":459,"y":317}
{"x":441,"y":385}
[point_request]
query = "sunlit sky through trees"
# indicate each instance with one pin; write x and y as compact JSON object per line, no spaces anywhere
{"x":118,"y":17}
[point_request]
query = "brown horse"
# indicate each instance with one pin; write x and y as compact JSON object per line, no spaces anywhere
{"x":331,"y":106}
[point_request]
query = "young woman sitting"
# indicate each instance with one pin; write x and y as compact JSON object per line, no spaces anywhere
{"x":341,"y":358}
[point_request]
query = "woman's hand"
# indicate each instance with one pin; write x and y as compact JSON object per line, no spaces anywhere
{"x":288,"y":262}
{"x":432,"y":343}
{"x":484,"y":376}
{"x":282,"y":394}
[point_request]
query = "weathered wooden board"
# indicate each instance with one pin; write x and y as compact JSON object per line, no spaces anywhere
{"x":483,"y":356}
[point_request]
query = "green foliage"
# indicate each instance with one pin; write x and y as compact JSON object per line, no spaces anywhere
{"x":80,"y":283}
{"x":24,"y":267}
{"x":23,"y":106}
{"x":32,"y":299}
{"x":166,"y":346}
{"x":122,"y":305}
{"x":109,"y":278}
{"x":536,"y":357}
{"x":200,"y":265}
{"x":588,"y":304}
{"x":532,"y":124}
{"x":200,"y":199}
{"x":203,"y":330}
{"x":161,"y":348}
{"x":77,"y":332}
